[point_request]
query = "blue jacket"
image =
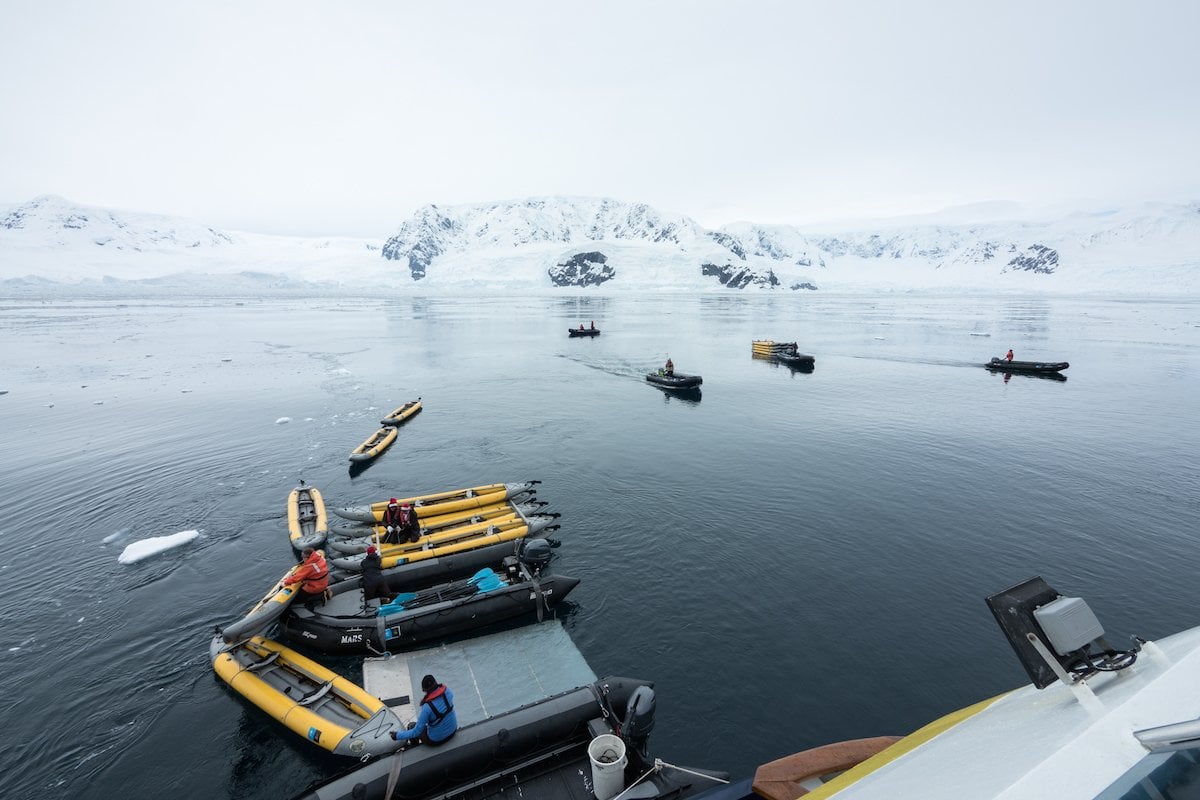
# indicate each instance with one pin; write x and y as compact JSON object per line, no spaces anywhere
{"x":437,"y":717}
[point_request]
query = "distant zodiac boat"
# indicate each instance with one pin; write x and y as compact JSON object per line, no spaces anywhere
{"x":1000,"y":365}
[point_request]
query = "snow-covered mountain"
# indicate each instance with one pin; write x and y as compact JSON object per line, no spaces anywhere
{"x":52,"y":240}
{"x":597,"y":244}
{"x":586,"y":242}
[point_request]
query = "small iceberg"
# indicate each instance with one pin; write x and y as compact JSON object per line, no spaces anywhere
{"x":283,"y":420}
{"x":157,"y":544}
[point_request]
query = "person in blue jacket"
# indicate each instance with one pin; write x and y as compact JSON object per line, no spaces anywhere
{"x":437,"y":721}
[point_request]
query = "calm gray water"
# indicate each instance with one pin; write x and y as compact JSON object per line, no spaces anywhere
{"x":793,"y":558}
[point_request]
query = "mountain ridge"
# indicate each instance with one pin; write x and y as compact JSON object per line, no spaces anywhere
{"x":557,"y":243}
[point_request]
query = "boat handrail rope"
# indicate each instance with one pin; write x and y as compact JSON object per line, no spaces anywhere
{"x":658,"y":767}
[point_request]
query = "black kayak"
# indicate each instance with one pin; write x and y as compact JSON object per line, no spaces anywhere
{"x":583,"y":331}
{"x":676,"y":381}
{"x":1000,"y":365}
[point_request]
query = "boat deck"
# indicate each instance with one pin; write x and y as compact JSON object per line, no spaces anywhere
{"x":489,"y":675}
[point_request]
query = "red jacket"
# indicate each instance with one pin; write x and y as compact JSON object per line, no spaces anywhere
{"x":312,"y":575}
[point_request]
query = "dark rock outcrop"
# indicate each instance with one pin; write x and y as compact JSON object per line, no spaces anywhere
{"x":739,"y":277}
{"x":582,"y":269}
{"x":1036,"y":258}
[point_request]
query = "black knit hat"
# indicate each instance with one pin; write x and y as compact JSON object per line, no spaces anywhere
{"x":428,"y":683}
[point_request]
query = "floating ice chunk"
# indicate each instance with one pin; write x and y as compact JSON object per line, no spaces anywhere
{"x":226,"y":360}
{"x":185,"y":391}
{"x":973,"y":333}
{"x":49,"y":405}
{"x":157,"y":544}
{"x":3,"y":391}
{"x":97,"y":402}
{"x":283,"y":420}
{"x":308,"y":419}
{"x":112,"y":537}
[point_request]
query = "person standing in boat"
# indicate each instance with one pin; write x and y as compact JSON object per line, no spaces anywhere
{"x":1009,"y":355}
{"x":437,"y":721}
{"x":669,"y":369}
{"x":373,"y":583}
{"x":312,"y":575}
{"x":593,"y":324}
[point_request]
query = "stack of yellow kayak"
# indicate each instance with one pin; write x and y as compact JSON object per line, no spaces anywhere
{"x":309,"y":699}
{"x":442,"y":502}
{"x":768,"y":347}
{"x":357,"y":538}
{"x":456,"y":539}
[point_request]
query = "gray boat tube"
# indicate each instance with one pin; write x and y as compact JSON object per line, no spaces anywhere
{"x":483,"y":747}
{"x":419,"y":574}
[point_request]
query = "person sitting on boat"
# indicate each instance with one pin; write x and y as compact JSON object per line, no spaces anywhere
{"x":373,"y":583}
{"x":401,"y":524}
{"x":409,"y":528}
{"x":437,"y":721}
{"x":1008,"y":355}
{"x":581,"y":326}
{"x":312,"y":575}
{"x":669,"y":369}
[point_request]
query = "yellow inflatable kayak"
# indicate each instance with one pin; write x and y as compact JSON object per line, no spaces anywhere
{"x":266,"y":611}
{"x":308,"y":698}
{"x":307,"y":524}
{"x":379,"y":441}
{"x":402,"y":413}
{"x":442,"y":502}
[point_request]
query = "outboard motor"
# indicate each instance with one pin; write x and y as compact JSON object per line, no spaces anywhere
{"x":639,"y":719}
{"x":536,"y":553}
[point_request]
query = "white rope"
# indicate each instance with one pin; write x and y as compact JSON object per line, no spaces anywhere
{"x":658,"y":766}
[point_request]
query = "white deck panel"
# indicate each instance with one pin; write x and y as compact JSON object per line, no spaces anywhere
{"x":488,"y":674}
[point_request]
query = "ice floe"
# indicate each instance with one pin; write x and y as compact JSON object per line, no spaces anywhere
{"x":154,"y":545}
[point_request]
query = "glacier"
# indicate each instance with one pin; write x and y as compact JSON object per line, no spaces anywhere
{"x":584,"y":244}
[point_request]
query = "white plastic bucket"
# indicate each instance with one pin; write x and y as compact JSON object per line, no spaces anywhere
{"x":607,"y":754}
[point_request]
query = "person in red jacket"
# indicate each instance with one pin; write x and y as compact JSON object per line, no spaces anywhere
{"x":1008,"y":355}
{"x":312,"y":575}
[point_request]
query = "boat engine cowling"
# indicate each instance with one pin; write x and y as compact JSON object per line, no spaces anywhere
{"x":536,"y":553}
{"x":639,"y":717}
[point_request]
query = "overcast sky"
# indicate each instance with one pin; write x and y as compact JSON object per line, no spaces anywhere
{"x":344,"y":117}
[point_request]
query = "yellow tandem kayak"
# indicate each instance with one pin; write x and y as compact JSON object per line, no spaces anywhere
{"x":402,"y":413}
{"x":307,"y":522}
{"x":308,"y":698}
{"x":379,"y":441}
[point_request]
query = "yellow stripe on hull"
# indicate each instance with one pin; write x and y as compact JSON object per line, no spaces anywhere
{"x":454,"y":501}
{"x":467,"y":516}
{"x":516,"y":532}
{"x":451,"y":535}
